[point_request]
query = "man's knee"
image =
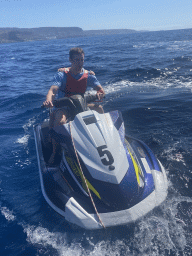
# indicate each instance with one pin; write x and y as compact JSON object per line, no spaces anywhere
{"x":97,"y":108}
{"x":59,"y":117}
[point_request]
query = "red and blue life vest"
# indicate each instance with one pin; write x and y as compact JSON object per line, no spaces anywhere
{"x":74,"y":86}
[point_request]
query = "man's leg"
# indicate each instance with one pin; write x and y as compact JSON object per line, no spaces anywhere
{"x":58,"y":117}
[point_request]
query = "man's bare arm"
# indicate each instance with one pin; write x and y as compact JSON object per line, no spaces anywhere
{"x":51,"y":96}
{"x":100,"y":91}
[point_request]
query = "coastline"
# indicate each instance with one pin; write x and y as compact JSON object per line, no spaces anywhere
{"x":15,"y":35}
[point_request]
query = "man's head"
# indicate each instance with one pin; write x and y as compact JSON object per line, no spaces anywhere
{"x":76,"y":57}
{"x":75,"y":51}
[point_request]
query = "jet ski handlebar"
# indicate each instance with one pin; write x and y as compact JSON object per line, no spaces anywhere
{"x":69,"y":101}
{"x":76,"y":103}
{"x":73,"y":100}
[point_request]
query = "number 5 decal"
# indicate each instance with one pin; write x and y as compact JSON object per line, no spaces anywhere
{"x":108,"y":159}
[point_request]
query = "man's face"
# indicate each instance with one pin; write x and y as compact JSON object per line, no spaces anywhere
{"x":77,"y":61}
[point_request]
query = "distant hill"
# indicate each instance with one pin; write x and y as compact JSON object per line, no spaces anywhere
{"x":11,"y":35}
{"x":108,"y":32}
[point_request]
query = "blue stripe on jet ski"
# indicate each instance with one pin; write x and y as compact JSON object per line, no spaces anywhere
{"x":151,"y":156}
{"x":114,"y":115}
{"x":117,"y":119}
{"x":118,"y":123}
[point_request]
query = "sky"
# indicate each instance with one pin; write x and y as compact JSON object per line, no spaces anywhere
{"x":97,"y":14}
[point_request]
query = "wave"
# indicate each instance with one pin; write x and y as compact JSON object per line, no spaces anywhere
{"x":139,"y":74}
{"x":161,"y":232}
{"x":127,"y":86}
{"x":22,"y":100}
{"x":9,"y":131}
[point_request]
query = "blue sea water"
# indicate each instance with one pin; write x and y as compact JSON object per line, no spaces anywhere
{"x":148,"y":77}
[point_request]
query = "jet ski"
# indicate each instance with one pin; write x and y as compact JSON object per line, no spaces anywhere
{"x":102,"y":177}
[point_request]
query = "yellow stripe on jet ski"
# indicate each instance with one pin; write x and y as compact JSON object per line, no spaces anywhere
{"x":136,"y":167}
{"x":88,"y":183}
{"x":73,"y":165}
{"x":93,"y":189}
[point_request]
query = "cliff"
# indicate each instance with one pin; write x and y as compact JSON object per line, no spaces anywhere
{"x":11,"y":35}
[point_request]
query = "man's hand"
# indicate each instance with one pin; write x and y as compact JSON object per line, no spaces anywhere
{"x":61,"y":69}
{"x":91,"y":72}
{"x":48,"y":104}
{"x":50,"y":96}
{"x":100,"y":94}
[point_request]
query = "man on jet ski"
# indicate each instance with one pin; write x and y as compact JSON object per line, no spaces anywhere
{"x":68,"y":82}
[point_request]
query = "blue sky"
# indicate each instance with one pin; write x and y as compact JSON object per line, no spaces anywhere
{"x":97,"y":14}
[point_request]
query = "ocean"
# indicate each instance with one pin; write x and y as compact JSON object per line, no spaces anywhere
{"x":148,"y":77}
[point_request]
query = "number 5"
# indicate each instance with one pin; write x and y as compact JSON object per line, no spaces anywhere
{"x":108,"y":160}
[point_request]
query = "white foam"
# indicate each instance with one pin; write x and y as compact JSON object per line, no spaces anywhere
{"x":159,"y":83}
{"x":64,"y":247}
{"x":58,"y":241}
{"x":21,"y":164}
{"x":23,"y":140}
{"x":31,"y":121}
{"x":173,"y":155}
{"x":7,"y":214}
{"x":153,"y":235}
{"x":150,"y":234}
{"x":126,"y":85}
{"x":171,"y":46}
{"x":163,"y":230}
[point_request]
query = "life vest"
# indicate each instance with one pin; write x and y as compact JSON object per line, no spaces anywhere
{"x":74,"y":86}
